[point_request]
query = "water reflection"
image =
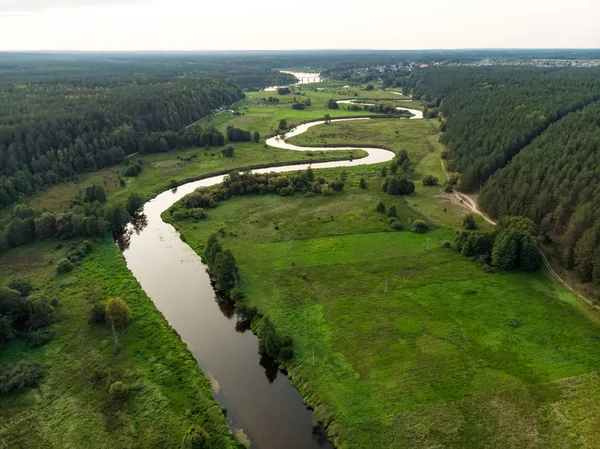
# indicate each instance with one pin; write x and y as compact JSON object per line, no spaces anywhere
{"x":137,"y":224}
{"x":265,"y":405}
{"x":270,"y":365}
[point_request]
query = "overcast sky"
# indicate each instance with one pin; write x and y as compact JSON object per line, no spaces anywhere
{"x":306,"y":24}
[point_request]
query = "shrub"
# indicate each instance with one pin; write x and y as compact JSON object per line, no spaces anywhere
{"x":135,"y":201}
{"x":447,"y":244}
{"x":39,"y":337}
{"x":195,"y":438}
{"x":23,"y":286}
{"x":97,"y":314}
{"x":420,"y":227}
{"x":468,"y":222}
{"x":448,"y":188}
{"x":40,"y":311}
{"x":392,"y":211}
{"x":397,"y":186}
{"x":64,"y":266}
{"x":118,"y":390}
{"x":7,"y":333}
{"x":362,"y":183}
{"x":430,"y":180}
{"x":11,"y":302}
{"x":19,"y":375}
{"x":132,"y":170}
{"x":380,"y":207}
{"x":395,"y":224}
{"x":298,"y":106}
{"x":286,"y":353}
{"x":228,"y":151}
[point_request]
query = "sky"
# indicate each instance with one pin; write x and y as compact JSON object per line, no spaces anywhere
{"x":115,"y":25}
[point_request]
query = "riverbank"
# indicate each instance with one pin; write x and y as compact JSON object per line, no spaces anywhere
{"x":397,"y":340}
{"x":72,"y":406}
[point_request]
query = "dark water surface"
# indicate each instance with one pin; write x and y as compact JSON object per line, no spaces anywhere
{"x":259,"y":399}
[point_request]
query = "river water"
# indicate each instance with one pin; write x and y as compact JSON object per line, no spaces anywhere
{"x":259,"y":399}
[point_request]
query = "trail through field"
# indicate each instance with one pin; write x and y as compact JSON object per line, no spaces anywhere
{"x":471,"y":203}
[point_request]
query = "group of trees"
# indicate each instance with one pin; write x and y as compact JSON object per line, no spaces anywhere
{"x":245,"y":183}
{"x":24,"y":312}
{"x":555,"y":182}
{"x":52,"y":131}
{"x":238,"y":135}
{"x":493,"y":113}
{"x":512,"y":244}
{"x":89,"y":216}
{"x":529,"y":138}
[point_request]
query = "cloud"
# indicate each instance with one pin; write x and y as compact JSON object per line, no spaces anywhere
{"x":39,"y":5}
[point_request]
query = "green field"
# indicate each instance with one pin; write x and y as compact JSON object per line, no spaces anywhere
{"x":414,"y":345}
{"x":161,"y":168}
{"x":72,"y":407}
{"x":398,"y":341}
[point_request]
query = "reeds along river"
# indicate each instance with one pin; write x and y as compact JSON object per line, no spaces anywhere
{"x":259,"y":399}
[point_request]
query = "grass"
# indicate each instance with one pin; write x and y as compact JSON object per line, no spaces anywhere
{"x":414,"y":345}
{"x":72,"y":407}
{"x":161,"y":168}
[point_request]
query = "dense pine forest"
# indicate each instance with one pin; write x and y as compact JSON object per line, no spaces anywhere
{"x":50,"y":132}
{"x":492,"y":113}
{"x":529,"y":139}
{"x":555,"y":181}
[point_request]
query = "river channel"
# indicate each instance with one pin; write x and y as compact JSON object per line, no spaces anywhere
{"x":259,"y":399}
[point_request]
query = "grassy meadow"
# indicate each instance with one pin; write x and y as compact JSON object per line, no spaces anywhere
{"x":414,"y":345}
{"x":72,"y":407}
{"x":160,"y":168}
{"x":399,"y":341}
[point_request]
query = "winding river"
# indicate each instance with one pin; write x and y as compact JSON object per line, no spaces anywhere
{"x":260,"y":400}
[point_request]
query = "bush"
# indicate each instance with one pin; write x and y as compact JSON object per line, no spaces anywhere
{"x":132,"y":170}
{"x":11,"y":302}
{"x":468,"y":222}
{"x":7,"y":333}
{"x":283,"y":90}
{"x":64,"y":266}
{"x":19,"y":375}
{"x":363,"y":183}
{"x":395,"y":224}
{"x":447,"y":244}
{"x":430,"y":180}
{"x":135,"y":201}
{"x":298,"y":106}
{"x":286,"y":353}
{"x":40,"y":312}
{"x":380,"y":207}
{"x":228,"y":151}
{"x":420,"y":227}
{"x":118,"y":390}
{"x":195,"y":438}
{"x":97,"y":314}
{"x":392,"y":211}
{"x":397,"y":186}
{"x":23,"y":286}
{"x":39,"y":338}
{"x":448,"y":188}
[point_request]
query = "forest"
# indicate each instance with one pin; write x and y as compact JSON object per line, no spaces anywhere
{"x":490,"y":114}
{"x":555,"y":181}
{"x":50,"y":132}
{"x":528,"y":139}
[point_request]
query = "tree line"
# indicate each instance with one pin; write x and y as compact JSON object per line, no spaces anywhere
{"x":490,"y":114}
{"x":51,"y":132}
{"x":555,"y":182}
{"x":513,"y":244}
{"x":237,"y":183}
